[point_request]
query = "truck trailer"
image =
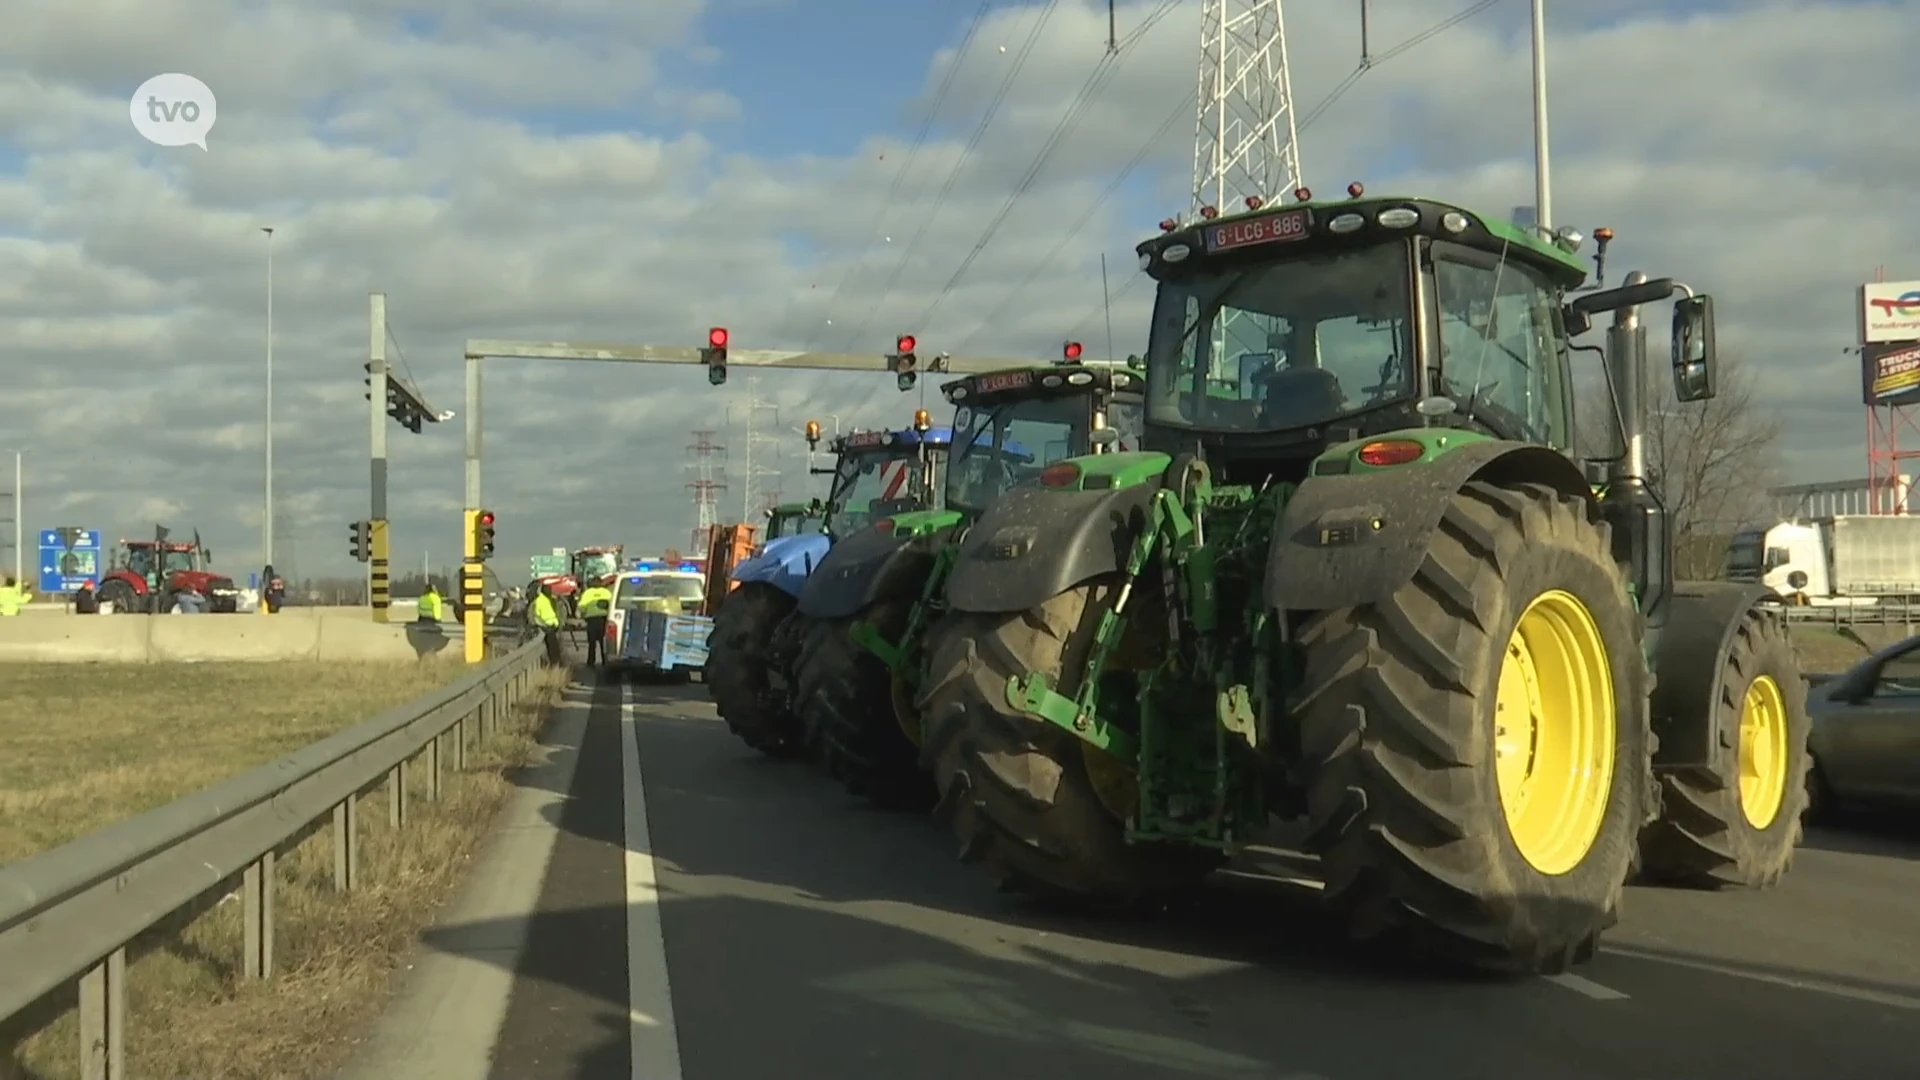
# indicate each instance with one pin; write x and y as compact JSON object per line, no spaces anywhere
{"x":1847,"y":560}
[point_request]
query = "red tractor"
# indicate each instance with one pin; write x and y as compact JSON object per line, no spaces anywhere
{"x":144,"y":575}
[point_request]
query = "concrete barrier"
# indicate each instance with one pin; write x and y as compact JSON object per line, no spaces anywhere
{"x":203,"y":638}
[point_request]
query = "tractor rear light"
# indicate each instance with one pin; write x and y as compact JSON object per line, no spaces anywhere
{"x":884,"y":526}
{"x":1391,"y":452}
{"x":1060,"y":474}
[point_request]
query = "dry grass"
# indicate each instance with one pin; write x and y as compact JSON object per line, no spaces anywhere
{"x":192,"y":1017}
{"x":84,"y":746}
{"x":1824,"y":650}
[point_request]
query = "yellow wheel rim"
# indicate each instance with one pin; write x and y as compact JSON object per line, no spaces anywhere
{"x":1763,"y":752}
{"x":1113,"y":781}
{"x":1554,"y":730}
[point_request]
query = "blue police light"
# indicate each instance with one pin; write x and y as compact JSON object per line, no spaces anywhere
{"x":693,"y":567}
{"x":646,"y":566}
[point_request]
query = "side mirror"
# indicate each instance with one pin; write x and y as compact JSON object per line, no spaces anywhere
{"x":1103,"y":437}
{"x":1694,"y":358}
{"x":1579,"y":314}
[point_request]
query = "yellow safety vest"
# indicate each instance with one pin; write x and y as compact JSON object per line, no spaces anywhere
{"x":13,"y":598}
{"x":597,"y":600}
{"x":543,"y":612}
{"x":430,"y":606}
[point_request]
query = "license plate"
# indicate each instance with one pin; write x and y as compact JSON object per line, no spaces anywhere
{"x":1270,"y":229}
{"x":1007,"y":380}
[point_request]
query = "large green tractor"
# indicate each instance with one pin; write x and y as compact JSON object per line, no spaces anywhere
{"x":870,"y":603}
{"x":1360,"y":578}
{"x":756,"y":630}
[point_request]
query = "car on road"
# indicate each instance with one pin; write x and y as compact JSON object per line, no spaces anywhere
{"x":655,"y":623}
{"x":1866,"y":732}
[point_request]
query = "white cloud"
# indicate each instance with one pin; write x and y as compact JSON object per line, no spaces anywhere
{"x":395,"y":147}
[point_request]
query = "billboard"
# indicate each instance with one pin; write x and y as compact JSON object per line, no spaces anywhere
{"x":1890,"y":311}
{"x":1890,"y":373}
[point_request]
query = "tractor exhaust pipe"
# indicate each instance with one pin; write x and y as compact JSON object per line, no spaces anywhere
{"x":1627,"y":365}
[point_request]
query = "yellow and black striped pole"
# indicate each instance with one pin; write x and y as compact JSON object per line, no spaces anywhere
{"x":472,"y":592}
{"x":379,"y":584}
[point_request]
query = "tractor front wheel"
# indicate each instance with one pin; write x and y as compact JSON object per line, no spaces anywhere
{"x":860,"y":713}
{"x":1739,"y":821}
{"x":740,"y":666}
{"x":1027,"y":799}
{"x":1478,"y":743}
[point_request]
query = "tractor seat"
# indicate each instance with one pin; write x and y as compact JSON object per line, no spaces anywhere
{"x":1296,"y":397}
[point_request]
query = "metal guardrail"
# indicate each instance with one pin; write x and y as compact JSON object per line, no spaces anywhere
{"x":68,"y":915}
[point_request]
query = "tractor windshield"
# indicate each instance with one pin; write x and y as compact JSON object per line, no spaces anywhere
{"x":793,"y":523}
{"x":594,"y":566}
{"x":874,"y":485}
{"x":1283,"y":345}
{"x":1006,"y":444}
{"x":1501,"y":355}
{"x":175,"y":562}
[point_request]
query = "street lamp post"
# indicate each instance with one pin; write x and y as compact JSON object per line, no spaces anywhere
{"x":1542,"y":176}
{"x":19,"y":530}
{"x":266,"y":520}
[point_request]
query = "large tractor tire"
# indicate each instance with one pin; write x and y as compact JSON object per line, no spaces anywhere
{"x":741,"y":666}
{"x":125,"y":601}
{"x":1738,"y":822}
{"x":1479,"y":742}
{"x":1041,"y":809}
{"x":863,"y":717}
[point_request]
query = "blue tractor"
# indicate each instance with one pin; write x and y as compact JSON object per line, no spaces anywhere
{"x":757,"y":631}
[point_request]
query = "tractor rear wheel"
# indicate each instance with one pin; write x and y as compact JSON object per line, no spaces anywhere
{"x":1027,"y":799}
{"x":121,"y":595}
{"x":852,"y":704}
{"x":1478,"y":743}
{"x":740,"y":661}
{"x":1739,"y":822}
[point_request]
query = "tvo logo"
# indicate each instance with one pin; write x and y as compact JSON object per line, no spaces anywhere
{"x":173,"y":110}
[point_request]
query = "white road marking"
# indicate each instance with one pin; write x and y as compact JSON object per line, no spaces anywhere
{"x":1818,"y":986}
{"x":652,"y":1039}
{"x":1588,"y":987}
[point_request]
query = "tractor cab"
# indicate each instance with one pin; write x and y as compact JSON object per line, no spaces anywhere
{"x":155,"y":562}
{"x":1010,"y":425}
{"x":589,"y":565}
{"x":1280,"y":332}
{"x":795,"y":519}
{"x":878,"y":474}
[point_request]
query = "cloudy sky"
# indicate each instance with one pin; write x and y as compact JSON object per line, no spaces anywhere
{"x":638,"y":170}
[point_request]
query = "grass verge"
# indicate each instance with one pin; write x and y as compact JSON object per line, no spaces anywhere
{"x":82,"y":746}
{"x":191,"y":1015}
{"x":1828,"y":650}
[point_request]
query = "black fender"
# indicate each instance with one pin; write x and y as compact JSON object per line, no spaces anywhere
{"x":1687,"y":661}
{"x":1348,"y":539}
{"x":1036,"y":543}
{"x":869,"y":565}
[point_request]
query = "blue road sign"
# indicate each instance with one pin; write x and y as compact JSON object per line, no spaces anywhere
{"x":67,"y":558}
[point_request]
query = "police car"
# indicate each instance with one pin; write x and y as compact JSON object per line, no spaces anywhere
{"x":655,"y":624}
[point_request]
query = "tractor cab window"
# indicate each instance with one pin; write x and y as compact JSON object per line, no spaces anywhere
{"x":1283,"y":345}
{"x":1501,"y":357}
{"x":1129,"y":419}
{"x":1007,"y":444}
{"x":794,"y":525}
{"x":174,"y":562}
{"x":597,"y":566}
{"x":868,"y":487}
{"x":140,"y":561}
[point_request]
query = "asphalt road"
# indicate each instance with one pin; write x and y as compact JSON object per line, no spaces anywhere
{"x":806,"y":936}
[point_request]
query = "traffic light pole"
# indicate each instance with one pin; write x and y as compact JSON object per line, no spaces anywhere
{"x":472,"y":567}
{"x":379,"y":584}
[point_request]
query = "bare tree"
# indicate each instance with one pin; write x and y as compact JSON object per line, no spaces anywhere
{"x":1712,"y":462}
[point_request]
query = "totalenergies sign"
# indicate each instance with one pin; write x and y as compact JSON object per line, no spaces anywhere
{"x":1890,"y":311}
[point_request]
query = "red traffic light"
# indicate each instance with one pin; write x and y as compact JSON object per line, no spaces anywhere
{"x":1072,"y":350}
{"x":905,"y":343}
{"x":717,"y":337}
{"x":486,"y":518}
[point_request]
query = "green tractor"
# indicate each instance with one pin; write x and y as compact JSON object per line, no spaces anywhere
{"x":796,"y":519}
{"x":1360,"y":579}
{"x":873,"y":597}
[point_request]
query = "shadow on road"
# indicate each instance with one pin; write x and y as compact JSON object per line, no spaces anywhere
{"x":811,"y":936}
{"x":1859,"y":833}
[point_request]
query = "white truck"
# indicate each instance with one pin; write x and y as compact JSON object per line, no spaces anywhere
{"x":1850,"y":560}
{"x":655,"y":626}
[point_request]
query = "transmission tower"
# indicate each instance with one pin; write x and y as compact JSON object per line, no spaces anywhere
{"x":1246,"y":140}
{"x":756,"y":438}
{"x":709,"y":480}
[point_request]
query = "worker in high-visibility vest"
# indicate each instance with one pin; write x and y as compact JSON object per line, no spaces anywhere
{"x":596,"y":603}
{"x":13,"y":597}
{"x":546,"y":616}
{"x":430,"y":609}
